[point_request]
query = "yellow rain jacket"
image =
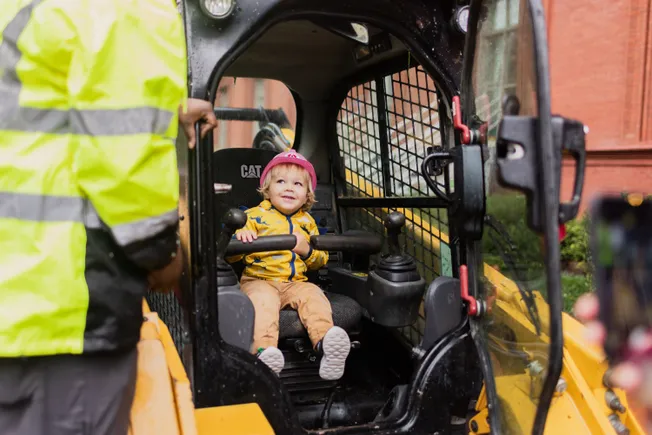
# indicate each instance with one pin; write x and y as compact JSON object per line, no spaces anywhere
{"x":89,"y":98}
{"x":281,"y":266}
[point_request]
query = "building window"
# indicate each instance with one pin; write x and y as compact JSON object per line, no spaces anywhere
{"x":244,"y":105}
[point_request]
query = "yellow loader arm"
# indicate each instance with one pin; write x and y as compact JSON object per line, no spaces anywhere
{"x":579,"y":406}
{"x":163,"y":401}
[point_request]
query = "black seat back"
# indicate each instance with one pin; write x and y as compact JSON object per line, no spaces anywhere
{"x":241,"y":168}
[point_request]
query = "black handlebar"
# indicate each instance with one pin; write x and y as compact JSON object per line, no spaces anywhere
{"x":367,"y":243}
{"x":361,"y":243}
{"x":357,"y":242}
{"x":262,"y":244}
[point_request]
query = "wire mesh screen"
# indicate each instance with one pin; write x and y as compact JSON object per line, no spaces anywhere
{"x":170,"y":312}
{"x":360,"y":144}
{"x":385,"y":128}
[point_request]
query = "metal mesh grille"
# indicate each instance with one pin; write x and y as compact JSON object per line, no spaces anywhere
{"x":358,"y":130}
{"x":393,"y":120}
{"x":170,"y":312}
{"x":413,"y":126}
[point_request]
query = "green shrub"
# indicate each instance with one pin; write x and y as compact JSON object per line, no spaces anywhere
{"x":576,"y":260}
{"x":573,"y":286}
{"x":510,"y":211}
{"x":575,"y":247}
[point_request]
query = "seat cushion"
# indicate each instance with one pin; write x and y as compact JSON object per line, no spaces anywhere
{"x":346,"y":315}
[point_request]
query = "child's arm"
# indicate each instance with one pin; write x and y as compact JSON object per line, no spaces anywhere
{"x":251,"y":228}
{"x":315,"y":259}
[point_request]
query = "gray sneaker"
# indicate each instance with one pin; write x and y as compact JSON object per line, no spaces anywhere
{"x":335,"y":347}
{"x":273,"y":358}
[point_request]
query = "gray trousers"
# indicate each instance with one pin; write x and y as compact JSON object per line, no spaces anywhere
{"x":67,"y":394}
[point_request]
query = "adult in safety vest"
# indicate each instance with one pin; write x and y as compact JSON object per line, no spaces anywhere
{"x":90,"y":97}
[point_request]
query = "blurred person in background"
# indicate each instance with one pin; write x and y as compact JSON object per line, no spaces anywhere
{"x":633,"y":377}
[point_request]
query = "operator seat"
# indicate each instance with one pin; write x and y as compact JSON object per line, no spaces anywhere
{"x":241,"y":169}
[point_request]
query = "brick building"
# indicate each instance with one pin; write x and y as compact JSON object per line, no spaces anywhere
{"x":601,"y":71}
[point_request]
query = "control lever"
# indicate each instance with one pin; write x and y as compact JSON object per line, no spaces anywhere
{"x":233,"y":220}
{"x":395,"y":288}
{"x":394,"y":223}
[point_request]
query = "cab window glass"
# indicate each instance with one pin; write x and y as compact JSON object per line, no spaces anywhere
{"x":514,"y":285}
{"x":254,"y":113}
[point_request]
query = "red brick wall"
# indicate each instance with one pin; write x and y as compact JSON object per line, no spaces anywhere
{"x":600,"y":60}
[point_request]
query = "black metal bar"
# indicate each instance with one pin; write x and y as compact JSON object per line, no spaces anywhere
{"x":393,"y":202}
{"x":206,"y":321}
{"x":277,"y":116}
{"x":549,"y":213}
{"x":478,"y":329}
{"x":444,"y":126}
{"x":382,"y":129}
{"x":195,"y":206}
{"x":336,"y":160}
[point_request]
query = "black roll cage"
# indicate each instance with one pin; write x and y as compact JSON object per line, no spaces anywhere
{"x":445,"y":73}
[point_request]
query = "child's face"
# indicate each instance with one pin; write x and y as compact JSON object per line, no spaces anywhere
{"x":288,"y":190}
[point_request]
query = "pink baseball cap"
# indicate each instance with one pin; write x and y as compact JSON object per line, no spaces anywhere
{"x":294,"y":158}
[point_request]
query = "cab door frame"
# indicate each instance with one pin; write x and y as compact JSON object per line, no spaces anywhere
{"x":207,"y":62}
{"x":548,"y":185}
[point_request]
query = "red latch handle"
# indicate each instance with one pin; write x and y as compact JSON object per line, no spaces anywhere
{"x":457,"y":121}
{"x":464,"y":288}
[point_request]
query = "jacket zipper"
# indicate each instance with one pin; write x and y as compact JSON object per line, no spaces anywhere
{"x":294,"y":255}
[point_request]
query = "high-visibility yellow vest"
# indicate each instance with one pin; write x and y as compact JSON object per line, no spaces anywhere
{"x":89,"y":93}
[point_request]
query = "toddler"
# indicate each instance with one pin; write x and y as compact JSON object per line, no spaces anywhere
{"x":274,"y":280}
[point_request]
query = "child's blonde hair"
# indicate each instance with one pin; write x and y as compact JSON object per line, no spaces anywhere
{"x":310,"y":196}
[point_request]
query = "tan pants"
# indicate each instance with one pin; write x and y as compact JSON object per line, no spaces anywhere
{"x":270,"y":297}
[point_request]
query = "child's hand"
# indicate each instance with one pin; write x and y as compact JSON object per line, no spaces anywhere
{"x":303,"y":246}
{"x":246,"y":236}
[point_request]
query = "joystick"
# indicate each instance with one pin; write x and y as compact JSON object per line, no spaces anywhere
{"x":397,"y":266}
{"x":395,"y":286}
{"x":394,"y":223}
{"x":233,"y":220}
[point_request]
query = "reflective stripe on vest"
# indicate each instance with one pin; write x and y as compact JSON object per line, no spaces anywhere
{"x":50,"y":208}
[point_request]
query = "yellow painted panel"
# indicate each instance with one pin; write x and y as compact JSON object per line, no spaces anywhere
{"x":154,"y":408}
{"x":245,"y":419}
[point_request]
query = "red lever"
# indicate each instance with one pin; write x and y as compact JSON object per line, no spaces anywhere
{"x":562,"y":232}
{"x":457,"y":121}
{"x":464,"y":288}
